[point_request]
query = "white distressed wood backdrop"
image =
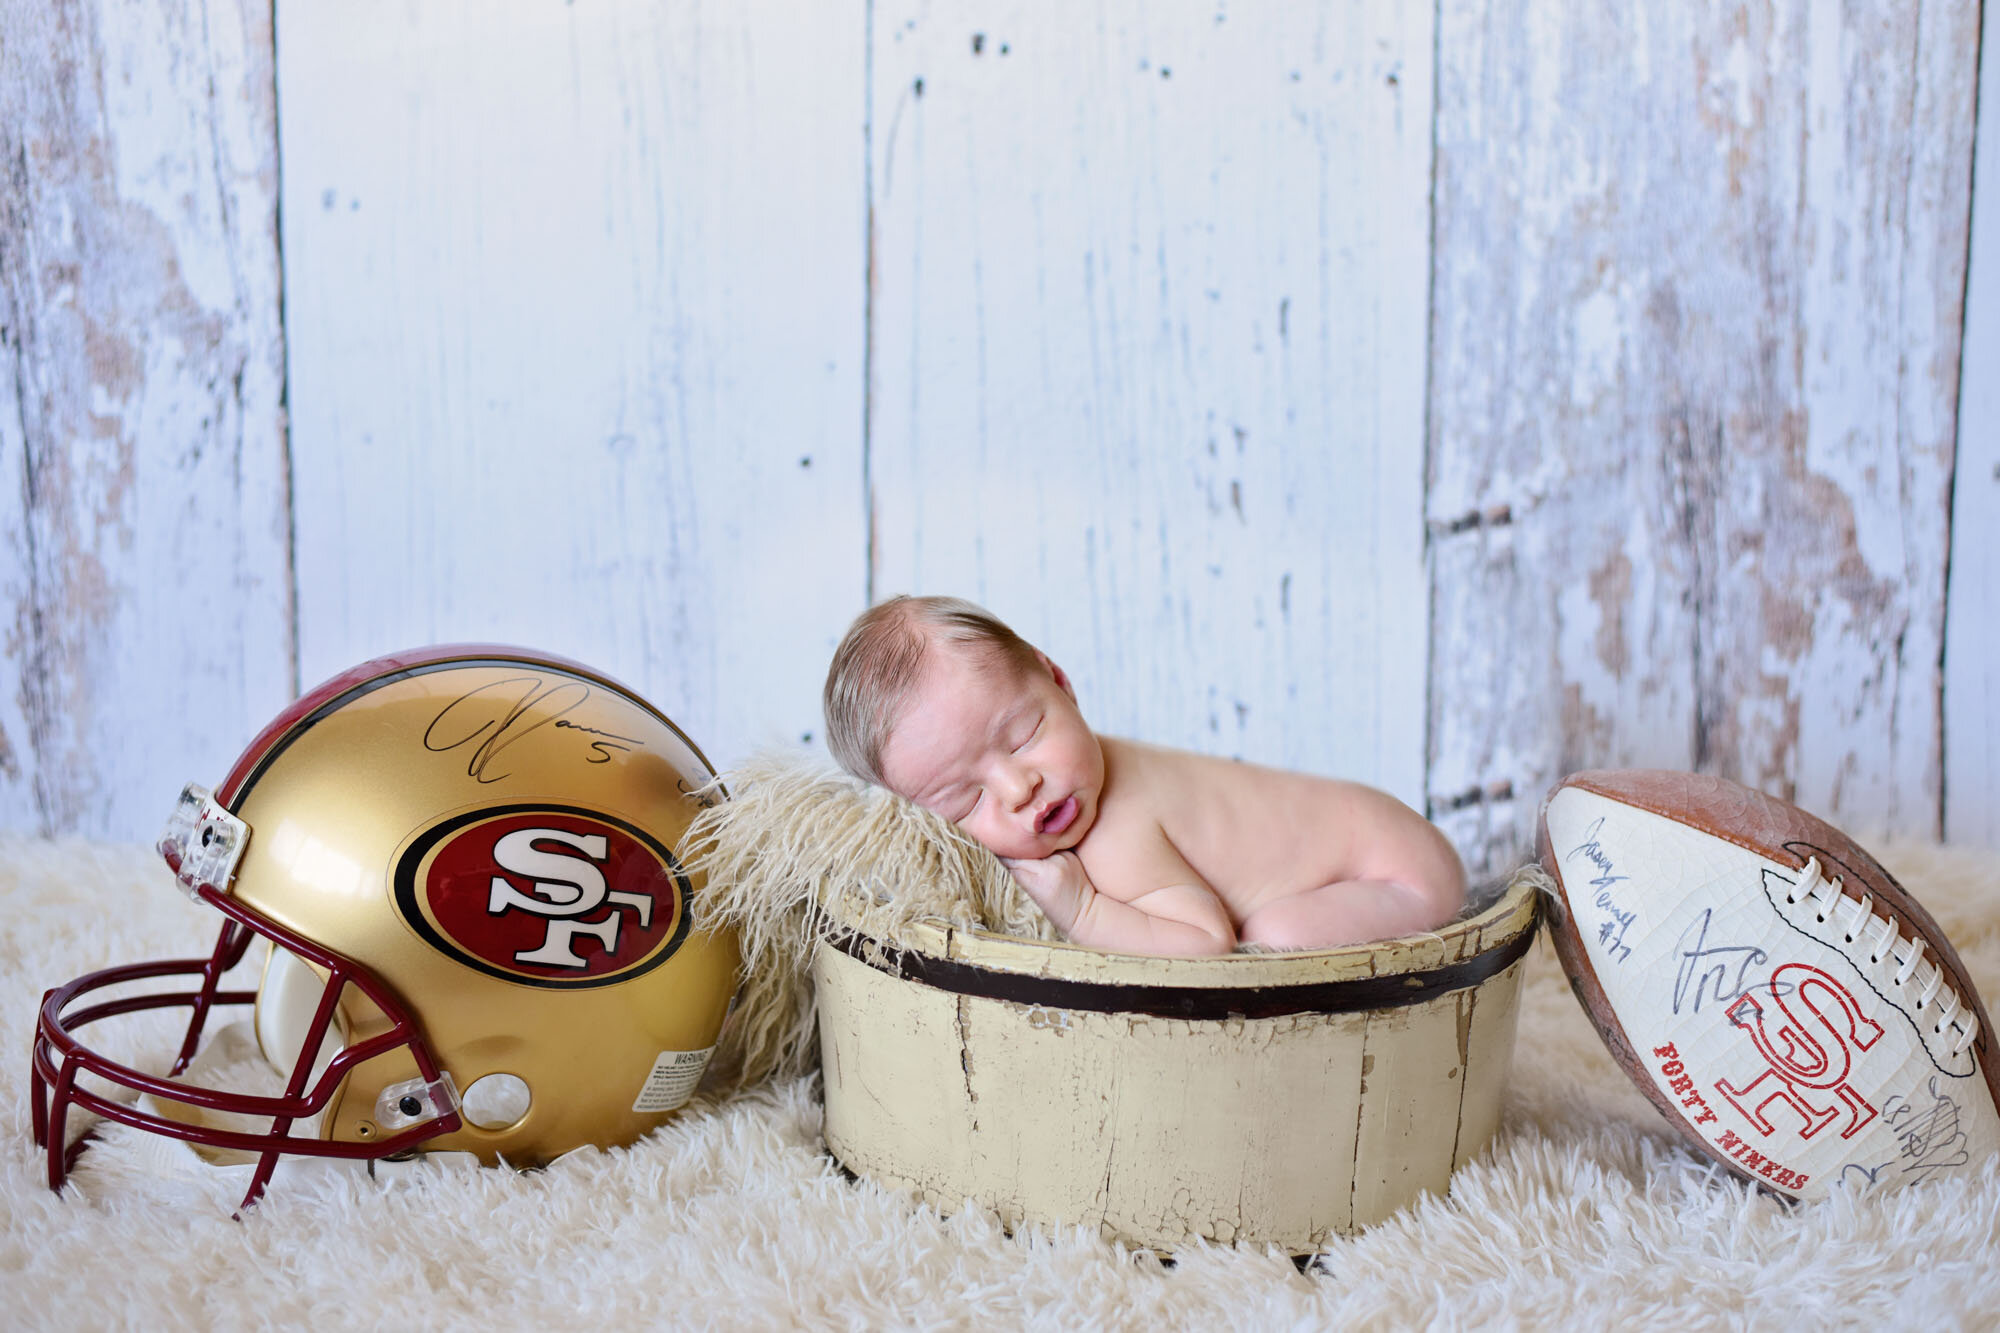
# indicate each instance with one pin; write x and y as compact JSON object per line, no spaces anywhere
{"x":1446,"y":396}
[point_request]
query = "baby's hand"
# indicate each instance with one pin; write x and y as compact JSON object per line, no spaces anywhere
{"x":1058,"y":884}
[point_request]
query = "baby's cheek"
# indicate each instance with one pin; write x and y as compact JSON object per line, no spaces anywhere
{"x":1020,"y":846}
{"x":987,"y":837}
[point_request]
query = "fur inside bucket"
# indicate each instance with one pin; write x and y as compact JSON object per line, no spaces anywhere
{"x":797,"y":846}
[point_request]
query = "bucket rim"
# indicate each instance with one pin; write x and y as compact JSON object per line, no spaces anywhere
{"x":1383,"y":974}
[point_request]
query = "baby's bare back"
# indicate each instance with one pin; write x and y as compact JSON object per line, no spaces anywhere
{"x":1253,"y":834}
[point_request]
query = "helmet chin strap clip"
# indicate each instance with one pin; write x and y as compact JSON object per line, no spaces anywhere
{"x":203,"y":841}
{"x":415,"y":1101}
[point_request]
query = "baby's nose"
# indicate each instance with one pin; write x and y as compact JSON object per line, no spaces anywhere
{"x":1024,"y":786}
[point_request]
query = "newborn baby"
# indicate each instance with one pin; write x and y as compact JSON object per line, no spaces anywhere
{"x":1125,"y":846}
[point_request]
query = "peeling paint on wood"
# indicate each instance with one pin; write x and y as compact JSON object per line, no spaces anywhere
{"x":576,"y":315}
{"x":1972,"y":612}
{"x":1705,"y":359}
{"x":1148,"y":350}
{"x":1285,"y":1129}
{"x":145,"y":600}
{"x":1146,"y":301}
{"x":1487,"y":1040}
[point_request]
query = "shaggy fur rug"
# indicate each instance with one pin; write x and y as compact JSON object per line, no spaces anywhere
{"x":1585,"y":1212}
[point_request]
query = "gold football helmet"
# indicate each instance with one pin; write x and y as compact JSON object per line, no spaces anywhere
{"x":480,"y":939}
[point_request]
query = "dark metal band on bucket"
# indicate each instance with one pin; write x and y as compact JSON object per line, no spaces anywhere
{"x":1394,"y":991}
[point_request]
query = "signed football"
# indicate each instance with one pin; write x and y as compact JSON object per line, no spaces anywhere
{"x":1768,"y":985}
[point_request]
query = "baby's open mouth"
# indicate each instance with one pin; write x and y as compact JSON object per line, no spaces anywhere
{"x":1058,"y":816}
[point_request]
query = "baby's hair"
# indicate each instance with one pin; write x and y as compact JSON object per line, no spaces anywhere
{"x":880,"y":660}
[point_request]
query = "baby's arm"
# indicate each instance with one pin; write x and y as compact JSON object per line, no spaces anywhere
{"x":1182,"y":919}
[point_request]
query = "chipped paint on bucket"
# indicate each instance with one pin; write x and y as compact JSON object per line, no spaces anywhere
{"x":1278,"y":1099}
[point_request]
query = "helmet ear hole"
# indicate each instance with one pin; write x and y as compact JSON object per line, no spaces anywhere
{"x":496,"y":1101}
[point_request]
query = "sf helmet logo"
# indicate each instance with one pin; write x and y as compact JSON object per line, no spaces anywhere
{"x":546,"y":896}
{"x":568,"y":890}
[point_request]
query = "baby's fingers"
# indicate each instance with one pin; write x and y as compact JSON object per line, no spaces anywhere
{"x":1031,"y":875}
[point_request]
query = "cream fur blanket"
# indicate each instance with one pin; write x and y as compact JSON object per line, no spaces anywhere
{"x":1585,"y":1213}
{"x":799,"y":845}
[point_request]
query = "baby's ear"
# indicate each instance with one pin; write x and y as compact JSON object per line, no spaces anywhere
{"x":1056,"y":673}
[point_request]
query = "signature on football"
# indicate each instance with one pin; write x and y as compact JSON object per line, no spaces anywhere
{"x":1927,"y":1134}
{"x":495,"y":716}
{"x":1928,"y":1131}
{"x":1707,"y":967}
{"x":1616,"y":920}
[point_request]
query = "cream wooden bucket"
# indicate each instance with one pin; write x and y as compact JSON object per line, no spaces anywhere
{"x":1272,"y":1099}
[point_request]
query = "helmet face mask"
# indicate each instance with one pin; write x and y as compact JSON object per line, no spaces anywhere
{"x":480,"y":937}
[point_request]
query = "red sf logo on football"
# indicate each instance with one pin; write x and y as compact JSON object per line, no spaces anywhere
{"x":544,"y":896}
{"x":1820,"y":1026}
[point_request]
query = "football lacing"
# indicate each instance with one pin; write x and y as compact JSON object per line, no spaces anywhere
{"x":1826,"y":898}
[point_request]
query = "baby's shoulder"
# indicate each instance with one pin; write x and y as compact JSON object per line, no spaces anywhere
{"x":1140,"y":761}
{"x":1169,"y":773}
{"x":1138,"y":780}
{"x":1152,"y":792}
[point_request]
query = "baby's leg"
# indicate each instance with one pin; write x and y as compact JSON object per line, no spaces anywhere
{"x":1351,"y":912}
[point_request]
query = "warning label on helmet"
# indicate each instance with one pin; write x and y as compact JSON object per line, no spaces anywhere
{"x":672,"y":1081}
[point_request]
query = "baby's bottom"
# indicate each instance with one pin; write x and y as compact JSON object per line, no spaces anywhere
{"x":1351,"y":912}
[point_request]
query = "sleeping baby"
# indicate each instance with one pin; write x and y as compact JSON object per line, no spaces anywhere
{"x":1125,"y":846}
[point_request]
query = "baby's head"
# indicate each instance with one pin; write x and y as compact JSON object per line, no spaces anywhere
{"x":939,"y":701}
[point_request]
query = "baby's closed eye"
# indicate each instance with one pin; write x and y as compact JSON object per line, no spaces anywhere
{"x":957,"y":804}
